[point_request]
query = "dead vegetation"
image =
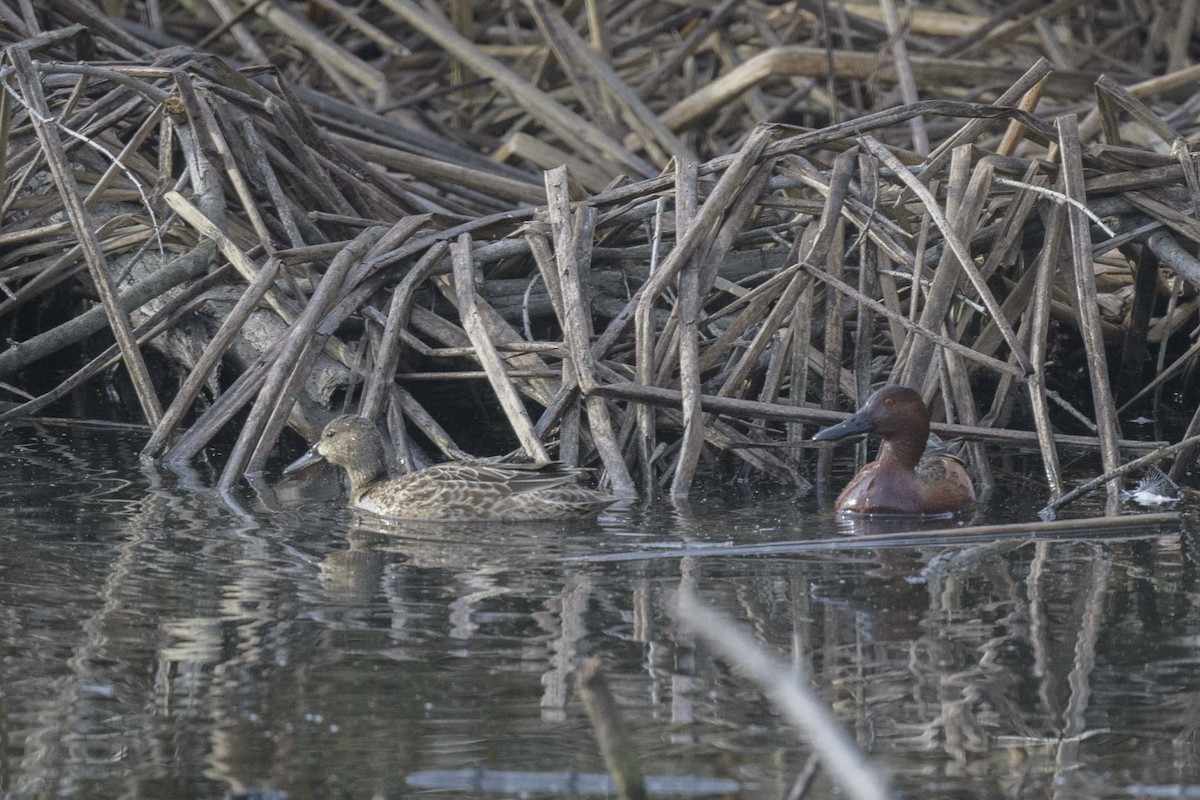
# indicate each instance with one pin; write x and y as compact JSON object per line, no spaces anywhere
{"x":664,"y":234}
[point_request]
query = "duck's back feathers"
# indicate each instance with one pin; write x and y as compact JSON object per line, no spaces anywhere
{"x":483,"y":490}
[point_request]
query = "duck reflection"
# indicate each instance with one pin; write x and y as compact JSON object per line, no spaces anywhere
{"x":484,"y":562}
{"x":477,"y":554}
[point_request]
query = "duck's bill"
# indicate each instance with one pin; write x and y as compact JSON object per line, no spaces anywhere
{"x":307,"y":460}
{"x":850,"y":427}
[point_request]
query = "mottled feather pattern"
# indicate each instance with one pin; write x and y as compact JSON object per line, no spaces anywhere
{"x":931,"y":470}
{"x":462,"y":490}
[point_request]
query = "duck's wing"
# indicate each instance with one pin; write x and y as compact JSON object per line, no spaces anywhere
{"x":519,"y":476}
{"x":484,"y":489}
{"x":932,"y":467}
{"x":486,"y":479}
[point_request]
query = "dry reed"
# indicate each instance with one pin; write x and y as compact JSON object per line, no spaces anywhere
{"x":666,"y":237}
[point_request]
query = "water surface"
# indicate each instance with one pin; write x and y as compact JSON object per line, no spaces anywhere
{"x":160,"y":640}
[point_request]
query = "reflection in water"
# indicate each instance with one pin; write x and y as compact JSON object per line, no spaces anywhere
{"x":161,"y":640}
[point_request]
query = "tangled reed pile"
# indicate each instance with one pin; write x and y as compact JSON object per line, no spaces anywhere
{"x":748,"y":216}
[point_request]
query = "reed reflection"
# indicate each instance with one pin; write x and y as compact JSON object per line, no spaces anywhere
{"x":153,"y":636}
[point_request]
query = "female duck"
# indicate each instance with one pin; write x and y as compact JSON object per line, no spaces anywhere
{"x":905,"y":479}
{"x":464,"y":490}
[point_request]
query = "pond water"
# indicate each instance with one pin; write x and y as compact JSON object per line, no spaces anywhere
{"x":159,"y":640}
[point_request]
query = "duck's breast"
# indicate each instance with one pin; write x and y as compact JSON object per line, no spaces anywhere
{"x":878,"y":489}
{"x":938,"y":486}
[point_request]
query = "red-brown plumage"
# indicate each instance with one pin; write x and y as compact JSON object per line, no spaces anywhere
{"x":904,"y":480}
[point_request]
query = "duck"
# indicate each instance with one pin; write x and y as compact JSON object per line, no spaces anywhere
{"x":459,"y":490}
{"x":907,"y":478}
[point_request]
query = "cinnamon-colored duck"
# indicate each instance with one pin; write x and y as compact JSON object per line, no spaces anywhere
{"x":905,"y":479}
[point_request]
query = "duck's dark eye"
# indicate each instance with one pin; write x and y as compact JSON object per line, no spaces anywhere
{"x":329,"y":434}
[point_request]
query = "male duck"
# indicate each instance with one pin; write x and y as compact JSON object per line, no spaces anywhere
{"x":905,"y":479}
{"x":463,"y":490}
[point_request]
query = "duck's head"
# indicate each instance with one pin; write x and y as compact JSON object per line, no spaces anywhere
{"x":896,"y":413}
{"x":349,"y":441}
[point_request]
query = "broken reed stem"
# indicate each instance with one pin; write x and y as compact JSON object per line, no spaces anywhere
{"x":584,"y":136}
{"x":1134,"y":526}
{"x":84,"y":230}
{"x":689,"y":309}
{"x":399,"y":312}
{"x":1035,"y":76}
{"x":1039,"y":321}
{"x":1085,"y":293}
{"x":571,"y":419}
{"x":904,"y":73}
{"x":612,"y":734}
{"x":212,"y":355}
{"x":994,"y":364}
{"x":577,"y":332}
{"x":223,"y":409}
{"x":473,"y":323}
{"x":1014,"y":133}
{"x":300,"y":338}
{"x":753,"y":409}
{"x":965,"y":262}
{"x":790,"y":692}
{"x":688,"y":244}
{"x":832,"y":351}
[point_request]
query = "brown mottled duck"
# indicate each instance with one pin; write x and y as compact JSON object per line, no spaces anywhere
{"x":460,"y":490}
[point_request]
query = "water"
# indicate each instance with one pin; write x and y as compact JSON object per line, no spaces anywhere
{"x":159,"y":640}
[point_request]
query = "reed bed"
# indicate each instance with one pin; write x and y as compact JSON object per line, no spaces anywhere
{"x":664,"y":238}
